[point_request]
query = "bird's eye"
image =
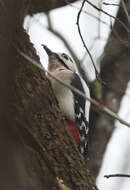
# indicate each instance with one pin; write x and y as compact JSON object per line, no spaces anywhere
{"x":65,"y":56}
{"x":61,"y":69}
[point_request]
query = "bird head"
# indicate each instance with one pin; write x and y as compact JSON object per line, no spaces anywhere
{"x":59,"y":60}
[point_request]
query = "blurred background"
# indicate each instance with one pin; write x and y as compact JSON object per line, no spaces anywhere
{"x":104,"y":25}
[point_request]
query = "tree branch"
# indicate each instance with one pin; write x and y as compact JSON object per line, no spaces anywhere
{"x":37,"y":6}
{"x":116,"y":175}
{"x":84,"y":44}
{"x":117,"y":19}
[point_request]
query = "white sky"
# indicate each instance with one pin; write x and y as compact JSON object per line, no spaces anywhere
{"x":64,"y":21}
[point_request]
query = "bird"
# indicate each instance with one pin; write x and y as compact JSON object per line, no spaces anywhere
{"x":73,"y":106}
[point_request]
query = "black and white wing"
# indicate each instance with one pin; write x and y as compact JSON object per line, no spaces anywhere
{"x":80,"y":118}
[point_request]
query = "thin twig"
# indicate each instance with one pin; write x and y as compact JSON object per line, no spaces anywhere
{"x":116,"y":175}
{"x":113,"y":4}
{"x":78,"y":25}
{"x":99,"y":23}
{"x":98,"y":9}
{"x":125,"y":10}
{"x":68,"y":46}
{"x":84,"y":44}
{"x":93,"y":101}
{"x":123,"y":42}
{"x":88,"y":13}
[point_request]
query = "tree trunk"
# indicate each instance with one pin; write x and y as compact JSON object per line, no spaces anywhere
{"x":36,"y":145}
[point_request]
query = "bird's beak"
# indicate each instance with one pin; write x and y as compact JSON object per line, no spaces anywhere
{"x":48,"y":51}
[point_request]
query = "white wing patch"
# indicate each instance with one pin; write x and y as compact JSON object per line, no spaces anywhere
{"x":87,"y":105}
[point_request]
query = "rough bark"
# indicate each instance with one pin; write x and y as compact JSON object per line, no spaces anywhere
{"x":35,"y":144}
{"x":37,"y":110}
{"x":115,"y":71}
{"x":14,"y":157}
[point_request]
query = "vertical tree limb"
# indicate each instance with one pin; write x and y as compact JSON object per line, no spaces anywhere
{"x":115,"y":71}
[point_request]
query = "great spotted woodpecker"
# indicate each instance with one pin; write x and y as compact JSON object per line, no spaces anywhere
{"x":74,"y":107}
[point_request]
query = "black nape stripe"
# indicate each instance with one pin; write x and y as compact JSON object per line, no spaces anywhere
{"x":67,"y":57}
{"x":62,"y":62}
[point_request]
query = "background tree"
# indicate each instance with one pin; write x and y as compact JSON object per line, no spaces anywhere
{"x":115,"y":73}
